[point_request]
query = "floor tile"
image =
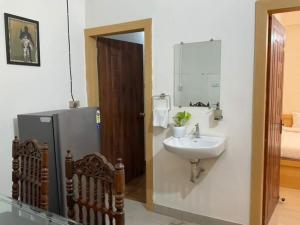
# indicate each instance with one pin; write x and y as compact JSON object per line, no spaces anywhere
{"x":287,"y":212}
{"x":137,"y":214}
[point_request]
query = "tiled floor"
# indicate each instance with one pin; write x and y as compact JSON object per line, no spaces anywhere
{"x":136,"y":189}
{"x":136,"y":214}
{"x":288,"y":212}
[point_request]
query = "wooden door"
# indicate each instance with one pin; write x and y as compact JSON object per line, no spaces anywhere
{"x":121,"y":98}
{"x":273,"y":117}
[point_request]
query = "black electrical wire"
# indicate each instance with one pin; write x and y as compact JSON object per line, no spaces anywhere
{"x":69,"y":43}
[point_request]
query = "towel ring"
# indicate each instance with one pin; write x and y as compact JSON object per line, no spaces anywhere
{"x":165,"y":97}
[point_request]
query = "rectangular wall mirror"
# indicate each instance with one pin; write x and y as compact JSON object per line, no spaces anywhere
{"x":197,"y":73}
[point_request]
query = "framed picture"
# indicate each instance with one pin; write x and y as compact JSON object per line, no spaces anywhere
{"x":22,"y":40}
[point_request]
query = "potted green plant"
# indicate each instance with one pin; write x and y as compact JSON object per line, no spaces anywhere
{"x":180,"y":121}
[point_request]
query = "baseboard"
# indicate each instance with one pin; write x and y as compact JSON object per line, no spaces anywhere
{"x":190,"y":217}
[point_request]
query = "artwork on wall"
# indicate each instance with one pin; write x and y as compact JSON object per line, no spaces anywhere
{"x":22,"y":40}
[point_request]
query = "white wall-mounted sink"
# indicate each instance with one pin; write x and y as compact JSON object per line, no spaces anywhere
{"x":192,"y":148}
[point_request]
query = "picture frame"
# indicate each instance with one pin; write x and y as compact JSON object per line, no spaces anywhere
{"x":22,"y":40}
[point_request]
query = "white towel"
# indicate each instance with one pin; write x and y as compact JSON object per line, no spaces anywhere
{"x":161,"y":117}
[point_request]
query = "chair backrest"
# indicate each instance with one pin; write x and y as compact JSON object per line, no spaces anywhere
{"x":30,"y":173}
{"x":95,"y":190}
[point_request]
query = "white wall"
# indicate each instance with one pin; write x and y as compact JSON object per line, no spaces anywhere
{"x":135,"y":37}
{"x":224,"y":190}
{"x":26,"y":89}
{"x":291,"y":84}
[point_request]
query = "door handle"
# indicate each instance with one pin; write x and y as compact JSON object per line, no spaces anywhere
{"x":141,"y":114}
{"x":281,"y":128}
{"x":280,"y":125}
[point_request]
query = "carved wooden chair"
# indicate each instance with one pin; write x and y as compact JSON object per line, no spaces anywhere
{"x":30,"y":173}
{"x":95,"y":190}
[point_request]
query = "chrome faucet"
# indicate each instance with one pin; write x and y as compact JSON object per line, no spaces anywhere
{"x":197,"y":131}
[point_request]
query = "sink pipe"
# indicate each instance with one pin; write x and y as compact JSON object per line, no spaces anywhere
{"x":196,"y":170}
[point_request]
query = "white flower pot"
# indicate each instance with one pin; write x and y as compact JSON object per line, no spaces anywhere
{"x":179,"y":132}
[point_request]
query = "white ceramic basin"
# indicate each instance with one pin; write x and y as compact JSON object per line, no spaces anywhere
{"x":192,"y":148}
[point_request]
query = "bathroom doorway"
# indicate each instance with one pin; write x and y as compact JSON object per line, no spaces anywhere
{"x":268,"y":194}
{"x":91,"y":38}
{"x":121,"y":102}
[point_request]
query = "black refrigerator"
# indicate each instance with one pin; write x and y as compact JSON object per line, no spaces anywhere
{"x":62,"y":130}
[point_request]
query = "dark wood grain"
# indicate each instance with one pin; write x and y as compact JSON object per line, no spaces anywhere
{"x":70,"y":185}
{"x":30,"y":182}
{"x":15,"y":173}
{"x":273,"y":118}
{"x":95,"y":168}
{"x":121,"y":97}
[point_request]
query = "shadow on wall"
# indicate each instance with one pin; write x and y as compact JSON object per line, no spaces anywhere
{"x":175,"y":172}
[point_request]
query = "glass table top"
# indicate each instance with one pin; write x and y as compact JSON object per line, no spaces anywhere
{"x":16,"y":213}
